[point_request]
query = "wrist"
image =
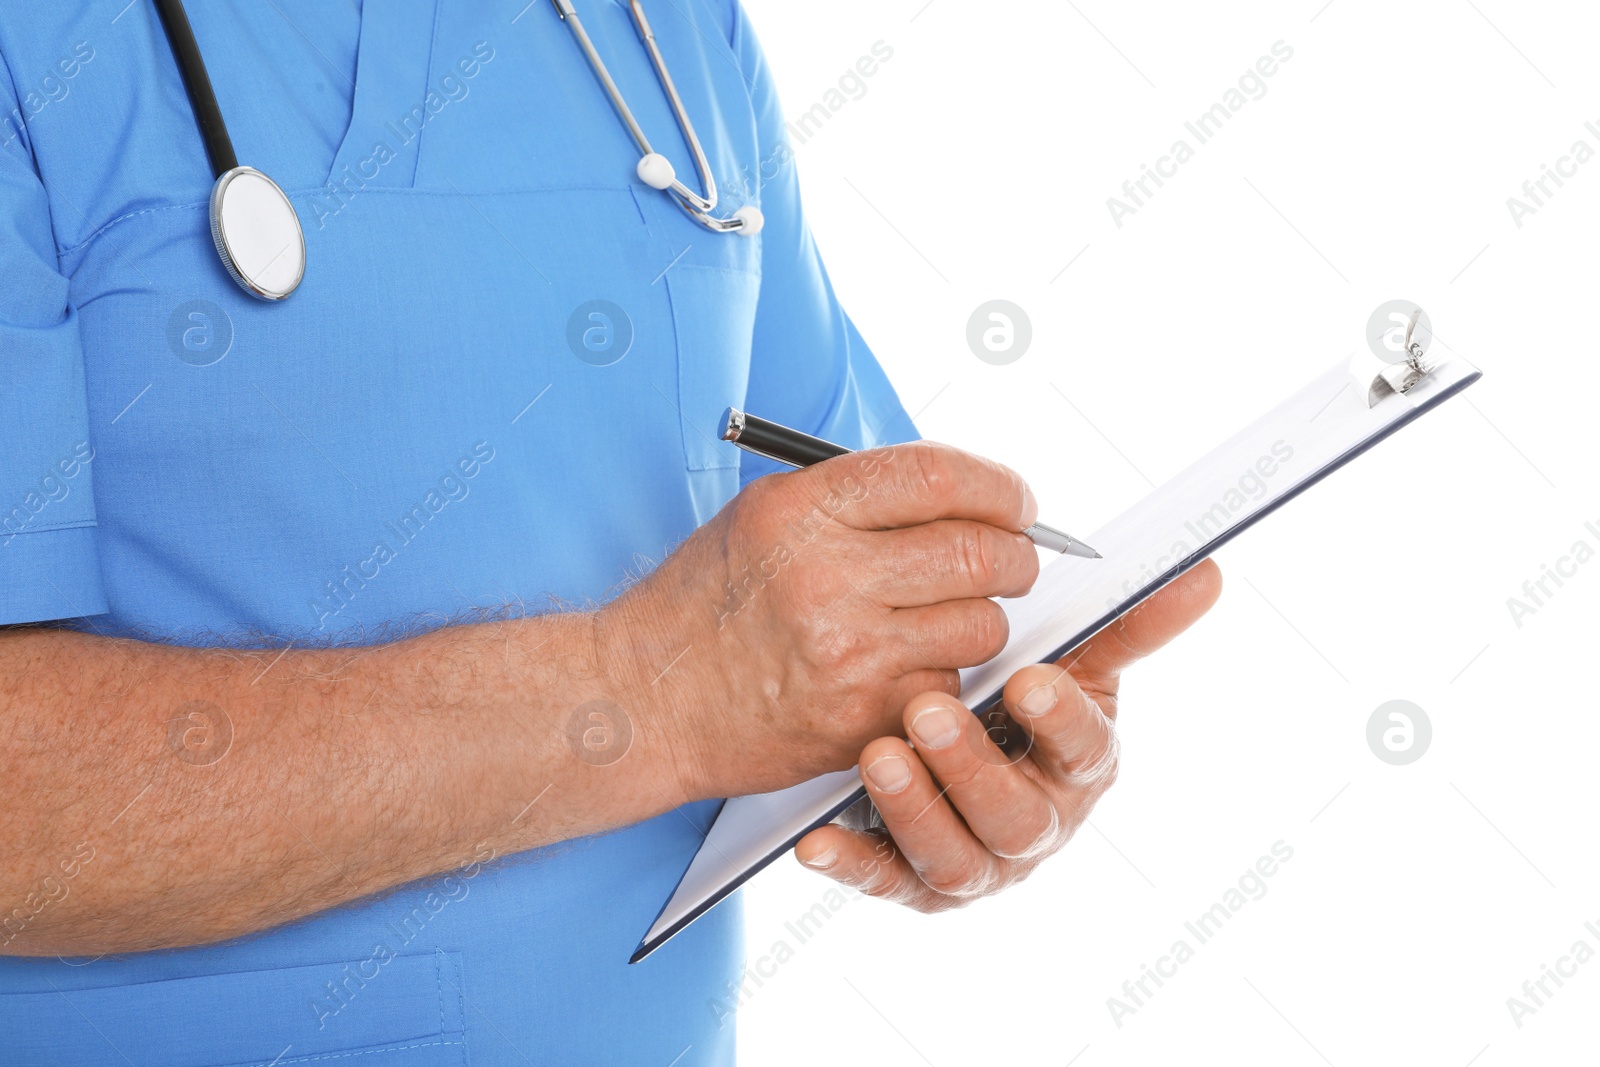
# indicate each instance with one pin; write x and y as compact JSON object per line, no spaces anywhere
{"x":641,"y":672}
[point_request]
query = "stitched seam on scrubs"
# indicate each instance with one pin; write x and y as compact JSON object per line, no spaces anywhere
{"x":438,"y":984}
{"x":369,"y":1052}
{"x":311,"y":191}
{"x":131,"y":215}
{"x":427,"y":75}
{"x":520,"y":190}
{"x":74,"y":524}
{"x":685,"y":427}
{"x":722,"y":40}
{"x":738,"y":272}
{"x":461,"y":1005}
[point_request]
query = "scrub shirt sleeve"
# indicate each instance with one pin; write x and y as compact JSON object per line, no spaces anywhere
{"x":49,"y":565}
{"x":809,"y":367}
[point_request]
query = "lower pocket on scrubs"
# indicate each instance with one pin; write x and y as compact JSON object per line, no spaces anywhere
{"x":382,"y":1010}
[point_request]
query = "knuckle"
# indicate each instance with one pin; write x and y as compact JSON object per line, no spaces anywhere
{"x":967,"y":634}
{"x":948,"y":883}
{"x":1024,"y":681}
{"x":1004,"y":485}
{"x":1032,"y":838}
{"x":965,"y":879}
{"x":930,"y":471}
{"x":977,"y":556}
{"x":974,"y":632}
{"x":964,"y":770}
{"x":836,"y":649}
{"x":993,"y":629}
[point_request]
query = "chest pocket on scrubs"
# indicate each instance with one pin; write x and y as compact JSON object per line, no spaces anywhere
{"x":379,"y":1011}
{"x":713,"y":285}
{"x":713,"y":316}
{"x":559,"y":187}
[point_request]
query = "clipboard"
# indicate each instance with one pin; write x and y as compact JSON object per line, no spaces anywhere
{"x":1341,"y":414}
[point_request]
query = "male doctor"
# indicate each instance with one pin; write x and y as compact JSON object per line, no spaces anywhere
{"x":339,"y":724}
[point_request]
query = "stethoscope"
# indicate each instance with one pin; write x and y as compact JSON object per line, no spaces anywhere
{"x":254,"y":225}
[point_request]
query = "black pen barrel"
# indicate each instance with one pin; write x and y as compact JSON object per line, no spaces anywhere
{"x":776,"y":441}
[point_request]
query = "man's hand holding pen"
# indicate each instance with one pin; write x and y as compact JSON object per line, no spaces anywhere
{"x":821,"y":618}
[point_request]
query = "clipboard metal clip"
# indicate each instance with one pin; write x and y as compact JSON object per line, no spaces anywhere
{"x":1400,"y":377}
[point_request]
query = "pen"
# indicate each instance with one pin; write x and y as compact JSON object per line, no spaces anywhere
{"x":764,"y":437}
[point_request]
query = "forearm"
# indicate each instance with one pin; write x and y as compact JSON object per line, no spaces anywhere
{"x":196,"y":795}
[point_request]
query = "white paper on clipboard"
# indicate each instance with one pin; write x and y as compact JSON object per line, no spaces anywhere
{"x":1311,"y":434}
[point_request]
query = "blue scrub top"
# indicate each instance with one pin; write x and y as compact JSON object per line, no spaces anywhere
{"x":499,"y":384}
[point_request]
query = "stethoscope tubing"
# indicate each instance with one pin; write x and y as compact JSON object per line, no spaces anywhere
{"x":747,"y":220}
{"x":197,"y":83}
{"x":701,"y":164}
{"x":254,"y":224}
{"x":603,"y":75}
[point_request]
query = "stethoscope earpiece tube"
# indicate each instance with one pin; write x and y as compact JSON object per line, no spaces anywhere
{"x":197,"y":83}
{"x":654,"y":169}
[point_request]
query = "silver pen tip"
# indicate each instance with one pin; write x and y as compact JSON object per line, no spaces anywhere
{"x":1052,"y":539}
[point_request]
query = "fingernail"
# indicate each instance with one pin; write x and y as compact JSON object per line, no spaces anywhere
{"x":1038,"y":700}
{"x":936,"y":727}
{"x":889,"y":773}
{"x":1030,"y":507}
{"x":822,"y":860}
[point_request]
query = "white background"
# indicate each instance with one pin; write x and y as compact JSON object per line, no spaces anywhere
{"x":1377,"y":166}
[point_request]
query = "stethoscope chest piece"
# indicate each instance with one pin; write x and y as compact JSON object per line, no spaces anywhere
{"x":257,"y":233}
{"x":254,"y":225}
